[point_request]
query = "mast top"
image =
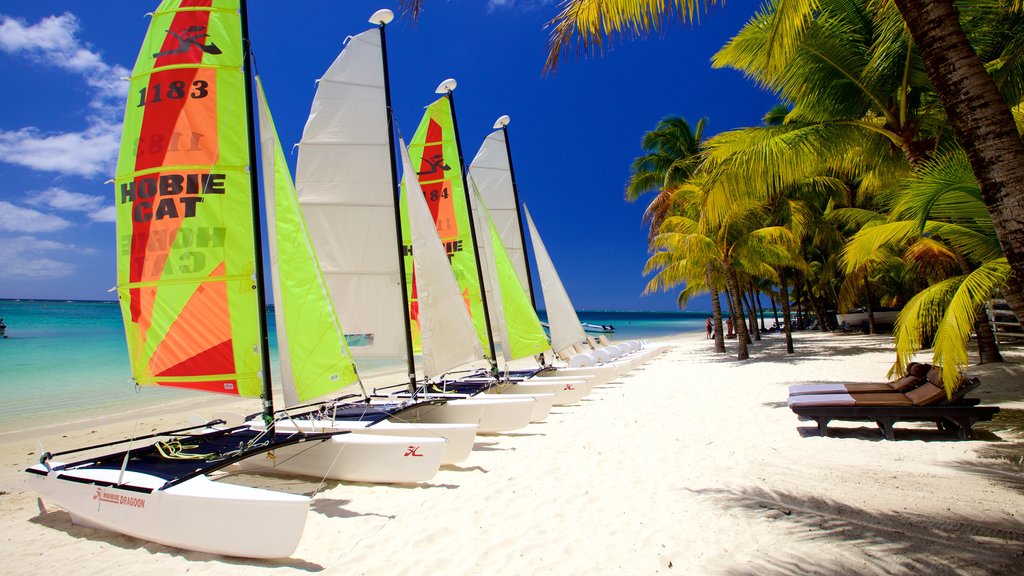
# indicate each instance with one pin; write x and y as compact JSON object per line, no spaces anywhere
{"x":502,"y":121}
{"x":446,"y":86}
{"x":382,"y":16}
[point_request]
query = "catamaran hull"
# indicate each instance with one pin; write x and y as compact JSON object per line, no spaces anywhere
{"x":198,"y":514}
{"x":567,"y":390}
{"x":356,"y":458}
{"x":460,"y":437}
{"x":497,"y":413}
{"x":597,"y":375}
{"x":541,"y":406}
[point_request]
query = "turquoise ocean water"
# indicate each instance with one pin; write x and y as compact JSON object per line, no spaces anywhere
{"x":64,"y":361}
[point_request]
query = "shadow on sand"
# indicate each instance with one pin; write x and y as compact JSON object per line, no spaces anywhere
{"x":880,"y":542}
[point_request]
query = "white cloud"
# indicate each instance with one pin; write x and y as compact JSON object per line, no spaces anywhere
{"x":91,"y":152}
{"x":26,"y":257}
{"x":60,"y":199}
{"x":53,"y":41}
{"x":17,"y":219}
{"x":106,"y":214}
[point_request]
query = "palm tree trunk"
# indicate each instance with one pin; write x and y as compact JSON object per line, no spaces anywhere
{"x":988,"y":348}
{"x":787,"y":323}
{"x":870,"y":307}
{"x":752,"y":317}
{"x":815,"y":307}
{"x":760,"y":308}
{"x":716,"y":311}
{"x":775,"y":311}
{"x":737,"y":308}
{"x":978,"y":114}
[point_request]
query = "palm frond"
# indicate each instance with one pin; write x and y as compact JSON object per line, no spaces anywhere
{"x":584,"y":26}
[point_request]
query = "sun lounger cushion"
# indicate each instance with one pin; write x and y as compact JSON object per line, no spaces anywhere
{"x":904,"y":384}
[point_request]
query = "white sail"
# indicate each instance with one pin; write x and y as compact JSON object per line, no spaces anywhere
{"x":492,"y":286}
{"x":491,"y":171}
{"x":447,"y":334}
{"x":563,"y":322}
{"x":344,"y":184}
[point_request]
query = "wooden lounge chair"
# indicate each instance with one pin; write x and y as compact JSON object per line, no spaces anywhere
{"x":917,"y":375}
{"x":926,"y":403}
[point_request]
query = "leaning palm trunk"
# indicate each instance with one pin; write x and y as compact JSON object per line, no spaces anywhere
{"x":716,"y":310}
{"x":979,"y":116}
{"x":815,"y":307}
{"x":738,"y":321}
{"x":787,"y":323}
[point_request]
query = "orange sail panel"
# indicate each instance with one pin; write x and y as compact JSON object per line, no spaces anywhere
{"x":186,"y":257}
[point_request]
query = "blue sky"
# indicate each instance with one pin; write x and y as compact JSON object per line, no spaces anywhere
{"x":573,"y":134}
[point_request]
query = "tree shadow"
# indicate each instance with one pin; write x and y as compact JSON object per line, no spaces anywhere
{"x":61,"y":520}
{"x":490,"y":447}
{"x":455,"y":468}
{"x":889,"y":542}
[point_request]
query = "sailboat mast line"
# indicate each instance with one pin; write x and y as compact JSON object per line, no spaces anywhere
{"x":261,"y":297}
{"x":409,"y":358}
{"x":519,"y":215}
{"x":472,"y":233}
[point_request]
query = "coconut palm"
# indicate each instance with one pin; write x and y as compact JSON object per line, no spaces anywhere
{"x":978,"y":111}
{"x":932,"y":223}
{"x":672,"y":155}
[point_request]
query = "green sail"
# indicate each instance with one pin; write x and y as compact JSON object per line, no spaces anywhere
{"x":526,"y":336}
{"x":315,"y":359}
{"x":434,"y":152}
{"x":186,"y":254}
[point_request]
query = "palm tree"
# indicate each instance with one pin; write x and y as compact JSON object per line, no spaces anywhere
{"x":977,"y":110}
{"x":672,"y":155}
{"x":933,"y":222}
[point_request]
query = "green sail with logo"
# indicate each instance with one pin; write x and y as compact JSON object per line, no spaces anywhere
{"x":186,"y":254}
{"x":435,"y":155}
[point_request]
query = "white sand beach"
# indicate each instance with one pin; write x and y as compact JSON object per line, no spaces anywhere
{"x":692,"y":464}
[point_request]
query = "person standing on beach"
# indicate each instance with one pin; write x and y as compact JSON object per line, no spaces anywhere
{"x":728,"y":328}
{"x":708,"y":326}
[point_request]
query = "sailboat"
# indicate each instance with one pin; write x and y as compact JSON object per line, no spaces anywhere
{"x":435,"y":149}
{"x":347,"y":186}
{"x":189,"y":251}
{"x":493,"y":172}
{"x":192,"y":299}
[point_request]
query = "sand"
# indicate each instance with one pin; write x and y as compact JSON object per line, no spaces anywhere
{"x":690,"y":465}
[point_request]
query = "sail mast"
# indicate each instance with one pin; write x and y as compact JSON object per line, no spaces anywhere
{"x":503,"y":123}
{"x":446,"y":88}
{"x":261,"y":298}
{"x":381,"y":18}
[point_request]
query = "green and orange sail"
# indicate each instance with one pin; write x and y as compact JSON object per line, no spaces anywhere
{"x":434,"y":150}
{"x":186,"y":253}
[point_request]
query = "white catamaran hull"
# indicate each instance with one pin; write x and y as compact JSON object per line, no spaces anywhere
{"x":498,"y":414}
{"x":541,"y":406}
{"x":356,"y":458}
{"x":567,"y":390}
{"x":198,"y":514}
{"x":597,"y":375}
{"x":460,"y":437}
